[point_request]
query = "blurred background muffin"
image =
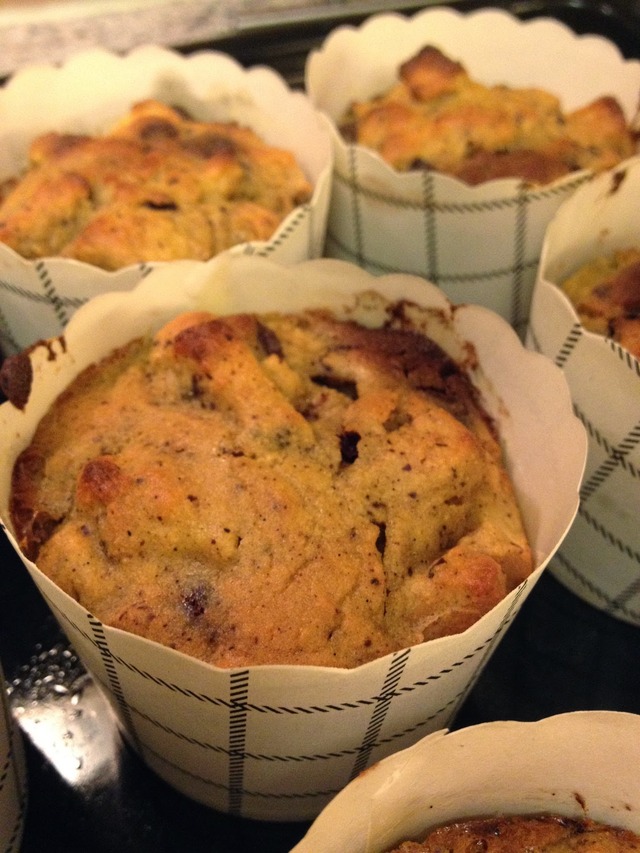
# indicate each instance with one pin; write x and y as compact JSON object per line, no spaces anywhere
{"x":113,"y":164}
{"x":584,"y":316}
{"x":471,"y":217}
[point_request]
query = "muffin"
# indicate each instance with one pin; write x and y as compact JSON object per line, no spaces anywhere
{"x":584,"y":316}
{"x":564,"y":783}
{"x":437,"y":117}
{"x":190,"y":189}
{"x":277,"y":741}
{"x":199,"y":486}
{"x":533,"y":833}
{"x":467,"y":208}
{"x":606,"y":294}
{"x":114,"y":164}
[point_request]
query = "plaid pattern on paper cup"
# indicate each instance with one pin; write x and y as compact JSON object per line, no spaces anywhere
{"x":13,"y":781}
{"x":581,"y":764}
{"x":600,"y":558}
{"x":481,"y":243}
{"x":277,"y":742}
{"x":88,"y":94}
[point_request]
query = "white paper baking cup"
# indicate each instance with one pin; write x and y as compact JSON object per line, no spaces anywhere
{"x":600,"y":558}
{"x":88,"y":94}
{"x":277,"y":742}
{"x":13,"y":778}
{"x":581,"y":764}
{"x":478,"y":243}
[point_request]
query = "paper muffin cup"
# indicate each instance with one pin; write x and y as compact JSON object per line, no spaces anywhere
{"x":88,"y":94}
{"x":600,"y":558}
{"x":277,"y":742}
{"x":480,"y":243}
{"x":580,"y":764}
{"x":13,"y":779}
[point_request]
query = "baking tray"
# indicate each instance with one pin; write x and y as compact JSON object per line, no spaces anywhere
{"x":88,"y":792}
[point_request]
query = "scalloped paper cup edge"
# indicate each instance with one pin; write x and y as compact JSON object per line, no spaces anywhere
{"x":373,"y":205}
{"x":322,"y":714}
{"x":583,"y":763}
{"x":598,"y":559}
{"x":92,"y":90}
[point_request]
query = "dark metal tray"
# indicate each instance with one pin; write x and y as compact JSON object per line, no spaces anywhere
{"x":88,"y":793}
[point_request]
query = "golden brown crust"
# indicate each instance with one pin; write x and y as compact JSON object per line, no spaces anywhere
{"x":437,"y":117}
{"x":274,"y":489}
{"x":533,"y":834}
{"x":606,"y":296}
{"x":189,"y":190}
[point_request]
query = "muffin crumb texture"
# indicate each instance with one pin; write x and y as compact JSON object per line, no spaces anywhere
{"x":158,"y":186}
{"x":277,"y":488}
{"x":529,"y":834}
{"x":436,"y":117}
{"x":606,"y":295}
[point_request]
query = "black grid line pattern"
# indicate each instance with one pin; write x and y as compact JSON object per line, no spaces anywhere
{"x":284,"y":758}
{"x":39,"y":298}
{"x":284,"y":233}
{"x":6,"y":337}
{"x":292,"y":710}
{"x":599,"y":558}
{"x":100,"y":641}
{"x":44,"y":298}
{"x":235,"y":791}
{"x":355,"y":209}
{"x":619,"y":454}
{"x":620,"y":602}
{"x":493,"y":641}
{"x":101,"y":645}
{"x":430,"y":229}
{"x":625,"y":356}
{"x":351,"y":179}
{"x":616,"y":606}
{"x":616,"y":455}
{"x":262,"y":795}
{"x":569,"y":344}
{"x":51,"y":294}
{"x":237,"y":738}
{"x":519,"y":309}
{"x":391,"y":681}
{"x":616,"y":459}
{"x":20,"y":301}
{"x":483,"y":248}
{"x":280,"y":796}
{"x":380,"y":268}
{"x":613,"y":540}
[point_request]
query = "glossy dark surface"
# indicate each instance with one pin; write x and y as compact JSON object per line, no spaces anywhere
{"x":89,"y":792}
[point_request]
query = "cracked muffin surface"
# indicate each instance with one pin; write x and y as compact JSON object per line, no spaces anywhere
{"x":606,"y":295}
{"x":527,"y":833}
{"x":159,"y":185}
{"x":437,"y":117}
{"x":278,"y":488}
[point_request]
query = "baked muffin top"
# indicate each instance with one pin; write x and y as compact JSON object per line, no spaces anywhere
{"x":530,"y":833}
{"x":158,"y":186}
{"x":437,"y":117}
{"x":606,"y":295}
{"x":278,"y":488}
